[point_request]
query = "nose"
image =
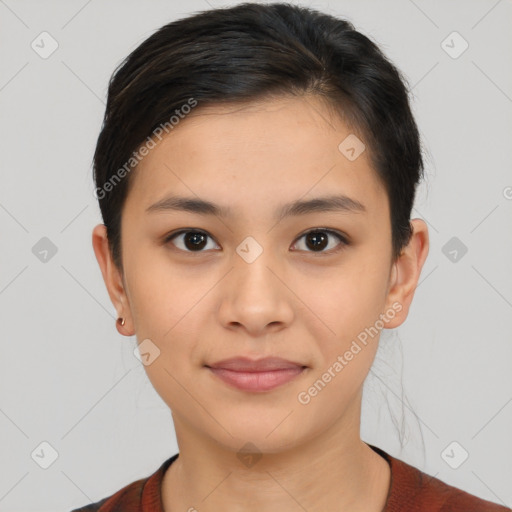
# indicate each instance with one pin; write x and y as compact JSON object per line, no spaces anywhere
{"x":255,"y":297}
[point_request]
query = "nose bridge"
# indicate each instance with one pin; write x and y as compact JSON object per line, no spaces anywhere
{"x":255,"y":296}
{"x":252,"y":272}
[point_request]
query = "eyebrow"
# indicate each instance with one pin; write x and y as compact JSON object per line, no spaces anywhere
{"x":339,"y":203}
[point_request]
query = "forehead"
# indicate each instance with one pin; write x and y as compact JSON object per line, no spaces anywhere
{"x":264,"y":152}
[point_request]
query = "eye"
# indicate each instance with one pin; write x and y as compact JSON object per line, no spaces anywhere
{"x":189,"y":240}
{"x":318,"y":239}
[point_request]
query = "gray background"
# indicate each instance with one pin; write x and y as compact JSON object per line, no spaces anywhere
{"x":69,"y":379}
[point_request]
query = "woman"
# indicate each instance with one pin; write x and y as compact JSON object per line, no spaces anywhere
{"x":256,"y":172}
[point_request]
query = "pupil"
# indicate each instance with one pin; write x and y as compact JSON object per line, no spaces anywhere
{"x":196,"y":240}
{"x":317,"y":239}
{"x":314,"y":240}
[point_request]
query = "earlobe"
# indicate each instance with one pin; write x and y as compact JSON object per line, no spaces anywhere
{"x":111,"y":276}
{"x":406,"y":272}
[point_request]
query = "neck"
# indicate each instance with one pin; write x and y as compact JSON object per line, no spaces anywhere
{"x":335,"y":471}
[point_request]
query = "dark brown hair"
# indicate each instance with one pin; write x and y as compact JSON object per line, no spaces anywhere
{"x":247,"y":53}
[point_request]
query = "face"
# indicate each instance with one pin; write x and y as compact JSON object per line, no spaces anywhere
{"x":313,"y":285}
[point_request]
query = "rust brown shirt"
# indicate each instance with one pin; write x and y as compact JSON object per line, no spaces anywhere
{"x":410,"y":490}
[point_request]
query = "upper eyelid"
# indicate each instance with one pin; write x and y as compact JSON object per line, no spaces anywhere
{"x":326,"y":230}
{"x":344,"y":240}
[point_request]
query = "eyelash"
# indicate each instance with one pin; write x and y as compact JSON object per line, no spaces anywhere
{"x":343,"y":240}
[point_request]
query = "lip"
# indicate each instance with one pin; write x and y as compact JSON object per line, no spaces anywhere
{"x":256,"y":375}
{"x":246,"y":364}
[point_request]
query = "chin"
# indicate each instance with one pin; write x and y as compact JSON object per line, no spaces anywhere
{"x":271,"y":436}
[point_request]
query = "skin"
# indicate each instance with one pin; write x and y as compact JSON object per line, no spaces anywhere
{"x":292,"y":301}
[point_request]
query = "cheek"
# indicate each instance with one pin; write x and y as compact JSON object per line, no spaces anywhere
{"x":350,"y":297}
{"x":351,"y":309}
{"x":168,"y":306}
{"x":349,"y":304}
{"x":161,"y":293}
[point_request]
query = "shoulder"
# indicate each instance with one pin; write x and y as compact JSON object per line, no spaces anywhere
{"x":129,"y":498}
{"x":460,"y":501}
{"x":138,"y":496}
{"x":91,"y":507}
{"x":435,"y":495}
{"x":412,"y":490}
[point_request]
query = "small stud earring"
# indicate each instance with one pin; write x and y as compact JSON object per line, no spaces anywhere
{"x":120,"y":321}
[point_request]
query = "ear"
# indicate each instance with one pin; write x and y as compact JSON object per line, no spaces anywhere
{"x":405,"y":273}
{"x":113,"y":279}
